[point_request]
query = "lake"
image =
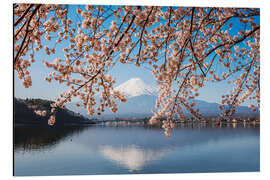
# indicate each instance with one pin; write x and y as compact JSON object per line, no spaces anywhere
{"x":134,"y":149}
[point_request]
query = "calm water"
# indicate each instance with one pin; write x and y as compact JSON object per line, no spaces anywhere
{"x":122,"y":150}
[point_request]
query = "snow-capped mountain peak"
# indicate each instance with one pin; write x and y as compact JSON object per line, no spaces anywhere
{"x":136,"y":87}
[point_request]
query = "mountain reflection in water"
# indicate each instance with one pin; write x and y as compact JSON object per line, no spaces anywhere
{"x":122,"y":150}
{"x":131,"y":156}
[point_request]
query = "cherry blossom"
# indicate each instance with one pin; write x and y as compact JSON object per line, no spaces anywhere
{"x":181,"y":46}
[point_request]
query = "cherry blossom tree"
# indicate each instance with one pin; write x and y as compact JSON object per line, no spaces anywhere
{"x":181,"y":46}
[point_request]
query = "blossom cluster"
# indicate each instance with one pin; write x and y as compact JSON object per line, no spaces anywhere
{"x":40,"y":113}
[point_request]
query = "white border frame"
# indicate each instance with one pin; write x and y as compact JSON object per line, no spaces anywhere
{"x":6,"y":132}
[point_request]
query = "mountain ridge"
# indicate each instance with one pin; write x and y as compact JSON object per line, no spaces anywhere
{"x":142,"y":106}
{"x":24,"y":113}
{"x":141,"y":99}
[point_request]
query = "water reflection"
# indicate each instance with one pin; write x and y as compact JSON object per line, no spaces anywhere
{"x":120,"y":150}
{"x":37,"y":137}
{"x":131,"y":157}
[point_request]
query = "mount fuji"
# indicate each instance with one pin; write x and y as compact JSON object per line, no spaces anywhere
{"x":141,"y":99}
{"x":136,"y":87}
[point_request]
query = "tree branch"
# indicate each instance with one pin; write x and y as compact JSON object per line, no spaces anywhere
{"x":24,"y":14}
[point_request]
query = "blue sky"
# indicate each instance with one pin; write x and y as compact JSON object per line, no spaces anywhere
{"x":122,"y":72}
{"x":42,"y":89}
